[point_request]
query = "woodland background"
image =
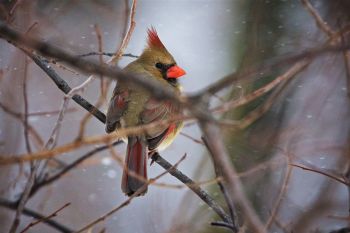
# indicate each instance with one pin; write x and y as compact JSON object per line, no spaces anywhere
{"x":283,"y":119}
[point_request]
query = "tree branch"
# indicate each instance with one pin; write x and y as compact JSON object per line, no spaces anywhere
{"x":193,"y":186}
{"x":125,"y":203}
{"x":58,"y":226}
{"x":54,"y":214}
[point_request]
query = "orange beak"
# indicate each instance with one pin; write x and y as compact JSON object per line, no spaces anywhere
{"x":175,"y":72}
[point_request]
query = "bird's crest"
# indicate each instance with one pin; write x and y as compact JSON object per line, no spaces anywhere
{"x":153,"y":39}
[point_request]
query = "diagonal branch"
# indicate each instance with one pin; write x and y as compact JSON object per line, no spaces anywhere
{"x":193,"y":186}
{"x":115,"y":58}
{"x":227,"y":196}
{"x":66,"y":169}
{"x":324,"y":173}
{"x":219,"y":154}
{"x":13,"y":206}
{"x":54,"y":214}
{"x":318,"y":19}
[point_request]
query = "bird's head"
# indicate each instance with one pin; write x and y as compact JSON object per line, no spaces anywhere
{"x":158,"y":61}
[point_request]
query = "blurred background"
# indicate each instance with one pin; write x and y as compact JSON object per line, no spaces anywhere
{"x":304,"y":121}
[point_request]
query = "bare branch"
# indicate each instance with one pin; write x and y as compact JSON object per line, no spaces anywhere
{"x":281,"y":194}
{"x":54,"y":214}
{"x":318,"y":19}
{"x":192,"y":138}
{"x":63,"y":86}
{"x":25,"y":97}
{"x":13,"y":206}
{"x":250,"y":73}
{"x":214,"y":139}
{"x":51,"y":143}
{"x":24,"y":198}
{"x":227,"y":196}
{"x":324,"y":173}
{"x":30,"y":128}
{"x":106,"y":54}
{"x":125,"y":203}
{"x":127,"y":37}
{"x":193,"y":186}
{"x":290,"y":73}
{"x":105,"y":138}
{"x":346,"y":56}
{"x":33,"y":166}
{"x":66,"y":169}
{"x":224,"y":224}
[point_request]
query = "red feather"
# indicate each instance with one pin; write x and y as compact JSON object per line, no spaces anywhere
{"x":170,"y":130}
{"x":153,"y":39}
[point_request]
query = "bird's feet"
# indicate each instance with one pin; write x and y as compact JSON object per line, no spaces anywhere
{"x":153,"y":155}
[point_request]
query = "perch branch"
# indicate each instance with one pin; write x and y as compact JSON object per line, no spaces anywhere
{"x":193,"y":186}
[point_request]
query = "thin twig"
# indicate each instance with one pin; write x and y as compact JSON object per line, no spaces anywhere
{"x":13,"y":206}
{"x":14,"y":6}
{"x":38,"y":140}
{"x":192,"y":138}
{"x":54,"y":214}
{"x":127,"y":37}
{"x":258,"y":112}
{"x":51,"y":143}
{"x":224,"y":224}
{"x":318,"y":19}
{"x":347,"y":174}
{"x":120,"y":161}
{"x":214,"y":139}
{"x":346,"y":56}
{"x":24,"y":198}
{"x":319,"y":171}
{"x":103,"y":88}
{"x":193,"y":186}
{"x":66,"y":169}
{"x":126,"y":202}
{"x":261,"y":166}
{"x":291,"y":72}
{"x":281,"y":194}
{"x":63,"y":86}
{"x":105,"y":138}
{"x":280,"y":225}
{"x":20,"y":115}
{"x":31,"y":27}
{"x":100,"y":57}
{"x":227,"y":196}
{"x":106,"y":54}
{"x":25,"y":97}
{"x":33,"y":166}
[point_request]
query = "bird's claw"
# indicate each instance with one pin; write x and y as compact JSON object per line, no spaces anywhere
{"x":153,"y":157}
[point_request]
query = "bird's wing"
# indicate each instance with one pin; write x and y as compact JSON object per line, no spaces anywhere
{"x":157,"y":111}
{"x":117,"y":107}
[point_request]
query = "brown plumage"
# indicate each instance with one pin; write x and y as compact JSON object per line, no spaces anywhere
{"x":132,"y":105}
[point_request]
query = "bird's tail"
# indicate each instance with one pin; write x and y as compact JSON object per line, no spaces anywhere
{"x":135,"y":168}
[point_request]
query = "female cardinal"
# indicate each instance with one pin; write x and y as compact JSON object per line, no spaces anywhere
{"x":132,"y":105}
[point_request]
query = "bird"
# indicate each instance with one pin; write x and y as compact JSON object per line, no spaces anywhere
{"x":132,"y":105}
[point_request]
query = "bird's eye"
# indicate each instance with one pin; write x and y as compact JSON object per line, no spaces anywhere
{"x":159,"y":65}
